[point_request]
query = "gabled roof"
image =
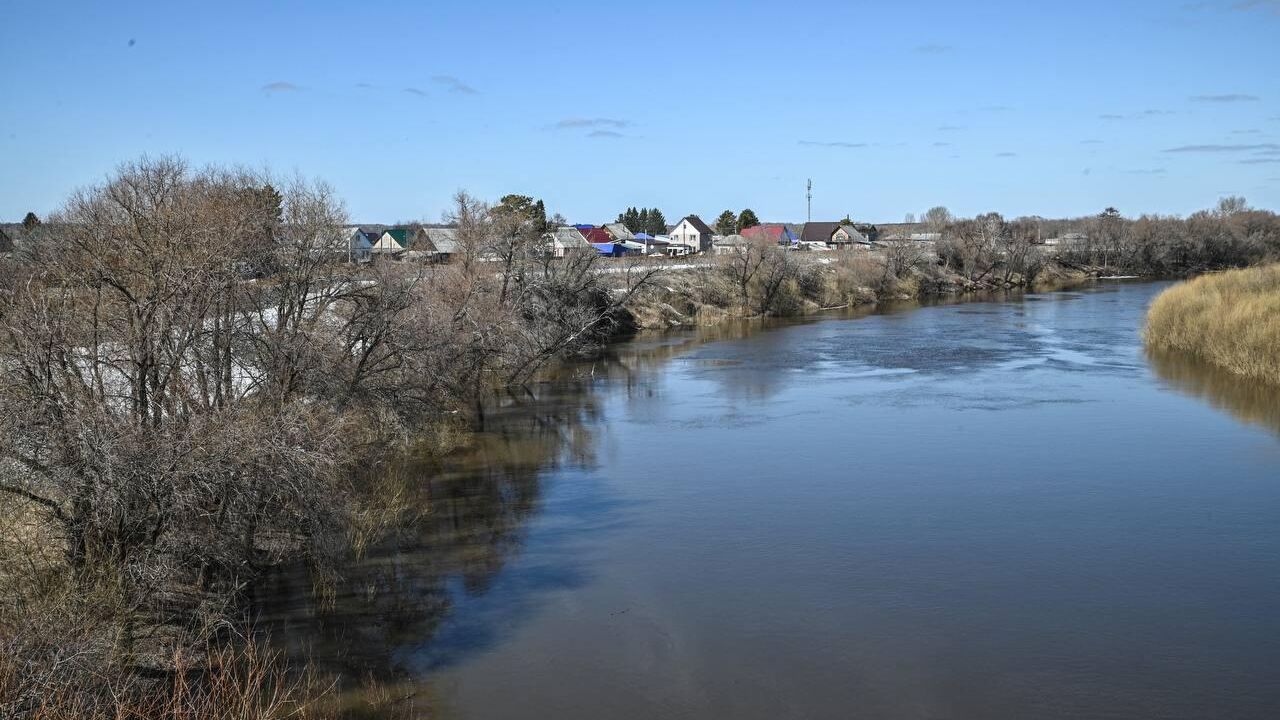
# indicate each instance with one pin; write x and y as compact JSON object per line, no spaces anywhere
{"x":734,"y":239}
{"x":595,"y":235}
{"x":400,"y":235}
{"x":619,"y":231}
{"x":569,"y":237}
{"x":855,"y":234}
{"x":698,"y":225}
{"x":773,"y":232}
{"x":818,"y":231}
{"x":445,"y":240}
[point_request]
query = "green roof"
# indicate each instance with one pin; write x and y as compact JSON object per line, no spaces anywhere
{"x":400,"y":235}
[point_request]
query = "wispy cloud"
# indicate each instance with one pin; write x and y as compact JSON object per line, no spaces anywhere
{"x":1152,"y":171}
{"x":942,"y":144}
{"x":454,"y":85}
{"x":1152,"y":113}
{"x":601,"y":122}
{"x":1110,"y":116}
{"x":1221,"y":148}
{"x":1269,"y":6}
{"x":415,"y":91}
{"x":933,"y":49}
{"x":605,"y":134}
{"x":832,"y":144}
{"x":950,"y":128}
{"x":1090,"y":142}
{"x":1261,"y":161}
{"x":281,"y":86}
{"x":1250,"y":131}
{"x":365,"y":86}
{"x":995,"y":108}
{"x":1006,"y":154}
{"x":1225,"y":98}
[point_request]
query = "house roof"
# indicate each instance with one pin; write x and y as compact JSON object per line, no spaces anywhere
{"x":445,"y":240}
{"x":734,"y":239}
{"x":400,"y":235}
{"x":698,"y":225}
{"x":569,"y":237}
{"x":595,"y":235}
{"x":818,"y":231}
{"x":619,"y":231}
{"x":773,"y":232}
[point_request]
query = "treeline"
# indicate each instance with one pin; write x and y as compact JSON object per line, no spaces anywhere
{"x":1231,"y":235}
{"x":195,"y":384}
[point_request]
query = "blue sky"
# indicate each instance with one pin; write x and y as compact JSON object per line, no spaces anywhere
{"x":1020,"y":107}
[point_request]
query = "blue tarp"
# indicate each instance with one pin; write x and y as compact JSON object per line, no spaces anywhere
{"x":643,"y":236}
{"x":609,"y":249}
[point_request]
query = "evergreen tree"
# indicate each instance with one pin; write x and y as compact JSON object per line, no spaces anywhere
{"x":642,"y":221}
{"x":657,"y":223}
{"x":747,"y":219}
{"x":30,"y":222}
{"x":847,"y":220}
{"x":727,"y":223}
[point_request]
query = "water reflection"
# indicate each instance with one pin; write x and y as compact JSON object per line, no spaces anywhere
{"x":393,"y":615}
{"x":1248,"y":400}
{"x":373,"y":622}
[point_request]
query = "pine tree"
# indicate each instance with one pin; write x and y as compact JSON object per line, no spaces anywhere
{"x":642,"y":221}
{"x":747,"y":219}
{"x":30,"y":222}
{"x":727,"y":223}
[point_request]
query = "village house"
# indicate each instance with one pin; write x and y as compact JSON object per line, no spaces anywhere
{"x":776,"y":233}
{"x":441,"y":243}
{"x":392,"y":242}
{"x":355,"y":245}
{"x":729,"y":244}
{"x":566,"y":239}
{"x":836,"y":235}
{"x":693,"y":233}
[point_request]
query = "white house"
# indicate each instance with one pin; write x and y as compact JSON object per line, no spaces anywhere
{"x":356,"y":244}
{"x":691,"y":231}
{"x":566,"y":239}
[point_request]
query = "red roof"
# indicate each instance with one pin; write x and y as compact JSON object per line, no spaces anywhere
{"x":773,"y":232}
{"x":596,"y":235}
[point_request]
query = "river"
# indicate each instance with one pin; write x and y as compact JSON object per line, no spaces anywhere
{"x":985,"y":510}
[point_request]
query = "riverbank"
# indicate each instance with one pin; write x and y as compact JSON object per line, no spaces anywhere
{"x":709,"y":295}
{"x":1229,"y":319}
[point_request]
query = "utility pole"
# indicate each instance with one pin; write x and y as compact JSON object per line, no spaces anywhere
{"x":808,"y":217}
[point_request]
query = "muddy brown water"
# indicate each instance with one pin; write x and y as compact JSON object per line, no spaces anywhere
{"x":985,"y":510}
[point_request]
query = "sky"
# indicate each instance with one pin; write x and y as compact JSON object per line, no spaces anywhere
{"x":1055,"y":109}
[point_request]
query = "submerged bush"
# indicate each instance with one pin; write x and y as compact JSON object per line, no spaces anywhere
{"x":1231,"y":319}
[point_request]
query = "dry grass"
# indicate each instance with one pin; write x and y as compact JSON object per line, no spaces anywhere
{"x":228,"y":683}
{"x":1230,"y":319}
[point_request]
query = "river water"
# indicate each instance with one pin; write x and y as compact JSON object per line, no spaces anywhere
{"x":983,"y":510}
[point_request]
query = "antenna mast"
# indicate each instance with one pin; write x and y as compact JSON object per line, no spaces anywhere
{"x":809,"y":200}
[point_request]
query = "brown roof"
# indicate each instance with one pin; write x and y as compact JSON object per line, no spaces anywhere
{"x":698,"y":225}
{"x":818,"y":231}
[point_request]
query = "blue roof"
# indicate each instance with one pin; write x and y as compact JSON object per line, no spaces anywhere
{"x":643,"y":236}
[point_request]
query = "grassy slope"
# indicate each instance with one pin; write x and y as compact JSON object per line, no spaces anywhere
{"x":1230,"y":319}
